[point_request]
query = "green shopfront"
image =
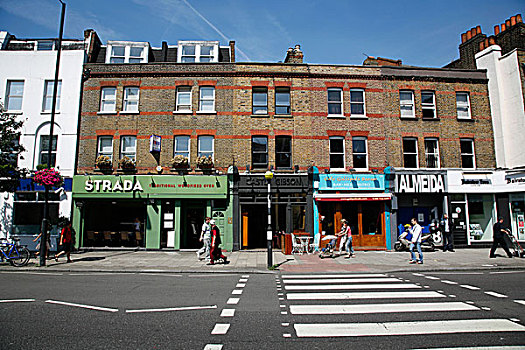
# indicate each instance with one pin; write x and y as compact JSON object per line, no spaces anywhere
{"x":150,"y":211}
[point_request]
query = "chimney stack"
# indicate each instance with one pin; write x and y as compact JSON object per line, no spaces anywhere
{"x":232,"y":51}
{"x":294,"y":55}
{"x":496,"y":29}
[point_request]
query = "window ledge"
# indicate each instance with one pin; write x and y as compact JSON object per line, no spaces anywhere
{"x":106,"y":112}
{"x":283,"y":116}
{"x":336,"y":116}
{"x":206,"y":112}
{"x":429,"y":119}
{"x":49,"y":112}
{"x":129,"y":112}
{"x":260,"y":116}
{"x":408,"y":118}
{"x":14,"y":112}
{"x":182,"y":112}
{"x":465,"y":120}
{"x":359,"y":116}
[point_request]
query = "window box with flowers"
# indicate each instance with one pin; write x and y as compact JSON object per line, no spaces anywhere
{"x":205,"y":163}
{"x":104,"y":164}
{"x":48,"y":177}
{"x":179,"y":163}
{"x":127,"y":164}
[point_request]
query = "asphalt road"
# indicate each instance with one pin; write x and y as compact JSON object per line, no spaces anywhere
{"x":236,"y":311}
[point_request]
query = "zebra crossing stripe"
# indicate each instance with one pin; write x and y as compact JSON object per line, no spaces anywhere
{"x":353,"y":286}
{"x":406,"y":328}
{"x":364,"y":295}
{"x":341,"y":280}
{"x":379,"y":308}
{"x":353,"y":275}
{"x":510,"y":347}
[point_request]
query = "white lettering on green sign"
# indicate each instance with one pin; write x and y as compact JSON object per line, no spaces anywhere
{"x":108,"y":186}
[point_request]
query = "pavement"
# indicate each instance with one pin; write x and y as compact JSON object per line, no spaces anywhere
{"x":127,"y":261}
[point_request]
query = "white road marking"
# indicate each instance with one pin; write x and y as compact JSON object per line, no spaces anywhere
{"x":460,"y":273}
{"x":365,"y":295}
{"x":182,"y":308}
{"x":418,"y":274}
{"x":243,"y":280}
{"x":469,"y":287}
{"x":285,"y":324}
{"x":514,"y":319}
{"x":511,"y":347}
{"x":228,"y":313}
{"x":341,"y":280}
{"x":485,"y":308}
{"x":497,"y":295}
{"x":449,"y":282}
{"x":282,"y":306}
{"x":498,"y":272}
{"x":233,"y":301}
{"x":237,"y":292}
{"x":522,"y":302}
{"x":213,"y":347}
{"x":98,"y":308}
{"x":406,"y":328}
{"x":452,"y":296}
{"x":284,"y":313}
{"x":354,"y":286}
{"x":17,"y":300}
{"x":378,"y":308}
{"x":220,"y":328}
{"x":245,"y":276}
{"x":160,"y":274}
{"x":281,"y":298}
{"x":432,"y":277}
{"x":354,"y":275}
{"x":240,"y":285}
{"x":91,"y":274}
{"x":45,"y":273}
{"x":287,"y":335}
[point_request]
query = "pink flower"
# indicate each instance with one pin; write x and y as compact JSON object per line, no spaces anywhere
{"x":49,"y":177}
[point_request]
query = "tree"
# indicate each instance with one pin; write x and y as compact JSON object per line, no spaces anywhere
{"x":10,"y":148}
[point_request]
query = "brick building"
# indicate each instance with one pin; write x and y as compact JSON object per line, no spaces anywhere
{"x":314,"y":125}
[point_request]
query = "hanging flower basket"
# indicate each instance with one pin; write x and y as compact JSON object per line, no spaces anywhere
{"x":205,"y":162}
{"x":104,"y":163}
{"x":127,"y":164}
{"x":48,"y":177}
{"x":179,"y":162}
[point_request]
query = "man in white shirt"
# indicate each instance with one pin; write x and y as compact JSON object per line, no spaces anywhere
{"x":416,"y":231}
{"x":206,"y":239}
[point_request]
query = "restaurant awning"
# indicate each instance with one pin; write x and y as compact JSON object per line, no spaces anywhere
{"x":342,"y":197}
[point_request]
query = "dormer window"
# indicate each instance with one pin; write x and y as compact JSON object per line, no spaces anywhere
{"x":198,"y":51}
{"x":126,"y":52}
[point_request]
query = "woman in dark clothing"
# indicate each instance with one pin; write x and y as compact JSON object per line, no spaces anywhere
{"x":215,"y":252}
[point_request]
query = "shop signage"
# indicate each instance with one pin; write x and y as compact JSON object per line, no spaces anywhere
{"x":476,"y":181}
{"x":154,"y":144}
{"x":515,"y":179}
{"x":420,"y":183}
{"x":281,"y":181}
{"x":351,"y":182}
{"x":109,"y":186}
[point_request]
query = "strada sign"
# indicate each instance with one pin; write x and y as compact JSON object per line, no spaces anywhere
{"x":109,"y":186}
{"x":420,"y":183}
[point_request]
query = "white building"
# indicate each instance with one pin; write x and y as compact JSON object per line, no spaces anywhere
{"x":27,"y":70}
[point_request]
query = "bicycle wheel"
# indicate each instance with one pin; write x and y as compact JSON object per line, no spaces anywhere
{"x":19,"y":256}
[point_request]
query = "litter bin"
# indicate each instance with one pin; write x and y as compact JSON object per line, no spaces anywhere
{"x":286,"y":246}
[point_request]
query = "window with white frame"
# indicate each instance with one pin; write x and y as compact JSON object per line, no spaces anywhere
{"x":182,"y":146}
{"x":183,"y":98}
{"x":337,"y":152}
{"x":205,"y":146}
{"x":207,"y":99}
{"x":406,"y":104}
{"x":359,"y":152}
{"x":283,"y":152}
{"x":45,"y":45}
{"x":357,"y":103}
{"x":259,"y":152}
{"x":410,"y":156}
{"x":48,"y":95}
{"x":468,"y":158}
{"x":260,"y":100}
{"x":44,"y":150}
{"x":118,"y":54}
{"x":335,"y":101}
{"x":463,"y":105}
{"x":126,"y":52}
{"x":198,"y":51}
{"x":282,"y":100}
{"x":105,"y":146}
{"x":428,"y":104}
{"x":131,"y":99}
{"x":108,"y":99}
{"x":14,"y":95}
{"x":136,"y":54}
{"x":432,"y":153}
{"x":128,"y":147}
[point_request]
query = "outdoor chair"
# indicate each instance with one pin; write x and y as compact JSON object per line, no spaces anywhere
{"x":297,"y":247}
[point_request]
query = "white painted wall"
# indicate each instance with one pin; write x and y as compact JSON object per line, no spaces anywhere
{"x":507,"y":105}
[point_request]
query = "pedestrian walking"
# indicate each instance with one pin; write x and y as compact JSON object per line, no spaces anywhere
{"x":416,"y":231}
{"x":65,"y":242}
{"x":448,"y":239}
{"x":343,"y":235}
{"x":215,"y":252}
{"x":48,"y":244}
{"x":205,"y":239}
{"x":349,"y":247}
{"x":498,"y":234}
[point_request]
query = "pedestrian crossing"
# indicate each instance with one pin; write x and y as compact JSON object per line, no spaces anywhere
{"x":362,"y":305}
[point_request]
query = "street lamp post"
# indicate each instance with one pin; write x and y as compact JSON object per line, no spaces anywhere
{"x":269,"y":235}
{"x":45,"y":225}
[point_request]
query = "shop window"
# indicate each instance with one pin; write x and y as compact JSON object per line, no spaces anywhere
{"x":335,"y":102}
{"x":359,"y":153}
{"x":468,"y":160}
{"x":105,"y":146}
{"x":31,"y":214}
{"x":14,"y":95}
{"x":432,"y":153}
{"x":183,"y":98}
{"x":282,"y":100}
{"x":357,"y":103}
{"x":128,"y":147}
{"x":182,"y":146}
{"x":206,"y":146}
{"x":260,"y":100}
{"x":283,"y":152}
{"x":260,"y":152}
{"x":481,"y":214}
{"x":406,"y":104}
{"x":207,"y":99}
{"x":131,"y":99}
{"x":48,"y":96}
{"x":428,"y":104}
{"x":463,"y":105}
{"x":337,"y":152}
{"x":410,"y":157}
{"x":44,"y":149}
{"x":108,"y":99}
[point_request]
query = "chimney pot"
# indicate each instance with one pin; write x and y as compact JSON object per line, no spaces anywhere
{"x":492,"y":41}
{"x":481,"y":46}
{"x":486,"y":42}
{"x":298,"y":47}
{"x":496,"y":29}
{"x":463,"y":37}
{"x":478,"y":30}
{"x":518,"y":19}
{"x":513,"y":21}
{"x":469,"y":35}
{"x":503,"y":27}
{"x":507,"y":23}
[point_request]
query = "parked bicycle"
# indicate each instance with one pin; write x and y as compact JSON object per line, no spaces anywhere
{"x":16,"y":254}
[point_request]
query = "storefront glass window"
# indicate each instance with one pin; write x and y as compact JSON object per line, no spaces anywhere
{"x":481,"y":216}
{"x":517,"y":205}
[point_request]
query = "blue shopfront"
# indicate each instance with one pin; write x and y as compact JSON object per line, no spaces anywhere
{"x":361,"y":200}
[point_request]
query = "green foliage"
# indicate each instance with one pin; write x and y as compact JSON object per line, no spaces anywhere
{"x":10,"y":130}
{"x":41,"y":166}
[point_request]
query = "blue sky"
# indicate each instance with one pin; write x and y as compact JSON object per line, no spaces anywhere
{"x":421,"y":33}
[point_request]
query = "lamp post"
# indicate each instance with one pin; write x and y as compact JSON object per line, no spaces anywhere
{"x":45,"y":225}
{"x":269,"y":235}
